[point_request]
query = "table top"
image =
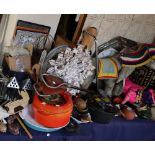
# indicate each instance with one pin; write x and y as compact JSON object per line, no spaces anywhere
{"x":117,"y":129}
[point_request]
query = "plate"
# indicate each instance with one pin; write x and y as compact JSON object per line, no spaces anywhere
{"x":76,"y":120}
{"x":27,"y":116}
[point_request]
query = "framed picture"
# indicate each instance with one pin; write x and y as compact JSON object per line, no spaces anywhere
{"x":31,"y":33}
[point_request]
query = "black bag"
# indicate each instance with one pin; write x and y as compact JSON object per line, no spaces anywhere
{"x":100,"y":109}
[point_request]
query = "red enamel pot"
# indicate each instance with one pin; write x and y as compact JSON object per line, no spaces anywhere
{"x":53,"y":116}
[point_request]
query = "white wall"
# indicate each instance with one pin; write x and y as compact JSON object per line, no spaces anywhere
{"x":3,"y":25}
{"x":138,"y":27}
{"x":51,"y":20}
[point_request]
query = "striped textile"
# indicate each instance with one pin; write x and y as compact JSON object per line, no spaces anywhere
{"x":139,"y":58}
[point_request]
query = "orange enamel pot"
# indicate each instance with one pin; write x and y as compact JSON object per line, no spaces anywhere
{"x":53,"y":116}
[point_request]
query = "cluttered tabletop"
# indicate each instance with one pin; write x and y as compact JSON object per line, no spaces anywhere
{"x":65,"y":93}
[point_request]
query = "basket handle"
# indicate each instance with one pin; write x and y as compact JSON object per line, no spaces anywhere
{"x":47,"y":85}
{"x":34,"y":86}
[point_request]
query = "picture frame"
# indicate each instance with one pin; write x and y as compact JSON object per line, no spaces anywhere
{"x":31,"y":33}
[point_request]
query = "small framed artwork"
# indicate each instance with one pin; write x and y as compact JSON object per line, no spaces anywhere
{"x":31,"y":33}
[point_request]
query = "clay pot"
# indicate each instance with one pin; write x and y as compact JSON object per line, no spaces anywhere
{"x":128,"y":114}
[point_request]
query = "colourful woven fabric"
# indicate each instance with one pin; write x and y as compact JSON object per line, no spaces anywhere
{"x":107,"y":69}
{"x":143,"y":76}
{"x":139,"y":58}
